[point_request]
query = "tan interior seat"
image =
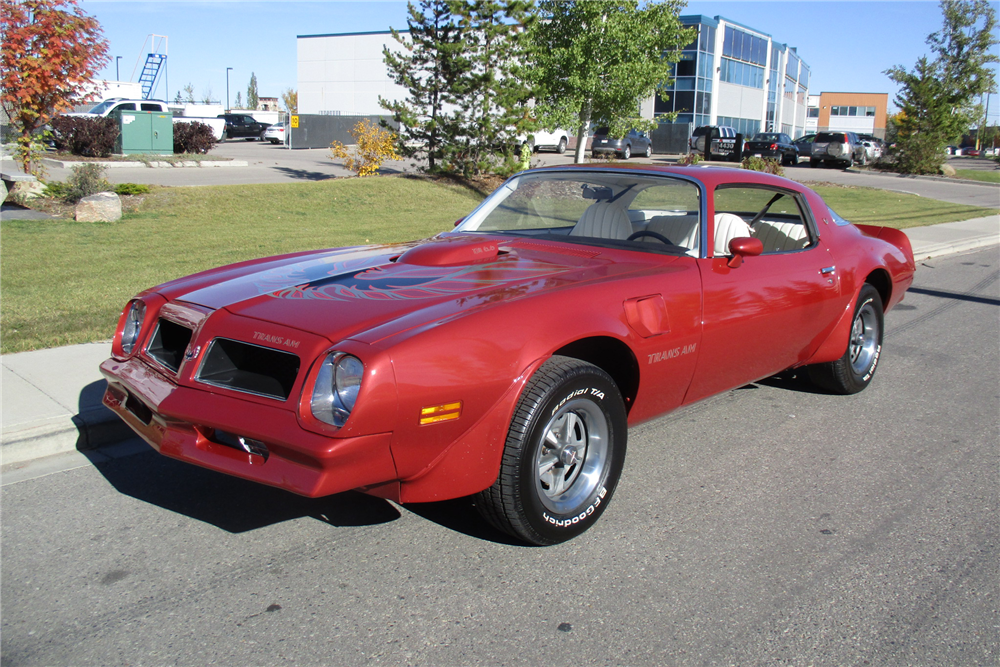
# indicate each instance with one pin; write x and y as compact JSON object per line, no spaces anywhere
{"x":780,"y":236}
{"x":728,"y":226}
{"x":603,"y":220}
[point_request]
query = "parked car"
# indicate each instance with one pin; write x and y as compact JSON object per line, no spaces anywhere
{"x":274,"y":133}
{"x":117,"y":104}
{"x":873,"y":150}
{"x":804,"y":145}
{"x":448,"y":367}
{"x":633,"y":143}
{"x":556,"y":140}
{"x":837,"y":148}
{"x":971,"y":151}
{"x":722,"y":138}
{"x":772,"y":145}
{"x":242,"y":125}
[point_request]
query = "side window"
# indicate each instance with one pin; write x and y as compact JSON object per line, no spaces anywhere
{"x":771,"y":215}
{"x":150,"y":107}
{"x":125,"y":107}
{"x":669,"y":211}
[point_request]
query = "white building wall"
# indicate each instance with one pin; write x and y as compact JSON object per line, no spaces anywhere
{"x":740,"y":101}
{"x":345,"y":74}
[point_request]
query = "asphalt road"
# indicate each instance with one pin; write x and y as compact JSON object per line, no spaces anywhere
{"x":768,"y":525}
{"x":268,"y":163}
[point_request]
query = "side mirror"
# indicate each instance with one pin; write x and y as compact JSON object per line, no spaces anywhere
{"x":743,"y":246}
{"x":459,"y":221}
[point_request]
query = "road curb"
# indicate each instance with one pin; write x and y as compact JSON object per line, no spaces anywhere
{"x":152,"y":164}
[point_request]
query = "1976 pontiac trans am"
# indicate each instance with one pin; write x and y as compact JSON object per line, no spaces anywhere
{"x":508,"y":357}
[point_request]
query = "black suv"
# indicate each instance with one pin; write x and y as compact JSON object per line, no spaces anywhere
{"x":241,"y":125}
{"x":723,"y":142}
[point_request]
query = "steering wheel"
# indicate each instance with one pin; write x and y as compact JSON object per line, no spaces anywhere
{"x":655,"y":235}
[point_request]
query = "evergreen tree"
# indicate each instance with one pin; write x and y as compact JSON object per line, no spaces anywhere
{"x":938,"y":98}
{"x":429,"y":66}
{"x":492,"y":116}
{"x":597,"y":60}
{"x":238,"y":104}
{"x":252,"y":99}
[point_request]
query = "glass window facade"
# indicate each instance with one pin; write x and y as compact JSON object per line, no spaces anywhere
{"x":690,"y":96}
{"x":868,"y":112}
{"x":744,"y":58}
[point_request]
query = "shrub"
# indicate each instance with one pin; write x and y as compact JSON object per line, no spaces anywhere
{"x":196,"y":138}
{"x":123,"y":189}
{"x":89,"y":137}
{"x":373,"y":146}
{"x":765,"y":164}
{"x":690,"y":159}
{"x":87,"y":179}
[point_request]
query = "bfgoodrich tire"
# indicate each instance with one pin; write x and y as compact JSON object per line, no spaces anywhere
{"x":854,"y":371}
{"x":563,"y":455}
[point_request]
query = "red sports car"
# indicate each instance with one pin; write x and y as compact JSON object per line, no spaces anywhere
{"x":508,"y":357}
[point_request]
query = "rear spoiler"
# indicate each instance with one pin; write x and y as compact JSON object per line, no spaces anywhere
{"x":890,"y":235}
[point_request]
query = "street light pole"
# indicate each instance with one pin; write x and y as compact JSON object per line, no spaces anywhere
{"x":227,"y":89}
{"x":117,"y":75}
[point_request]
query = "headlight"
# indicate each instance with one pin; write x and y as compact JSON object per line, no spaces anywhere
{"x":337,"y":387}
{"x":133,"y":325}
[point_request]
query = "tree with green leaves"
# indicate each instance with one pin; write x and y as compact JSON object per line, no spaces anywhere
{"x":938,"y":99}
{"x":238,"y":103}
{"x":51,"y":50}
{"x":189,"y":93}
{"x":431,"y":62}
{"x":597,"y":60}
{"x":253,"y":100}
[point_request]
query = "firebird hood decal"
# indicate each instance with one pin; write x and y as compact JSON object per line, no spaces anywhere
{"x":402,"y":282}
{"x":368,"y":287}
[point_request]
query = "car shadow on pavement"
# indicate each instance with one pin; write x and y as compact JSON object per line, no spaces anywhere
{"x":792,"y":380}
{"x":461,"y":516}
{"x":230,"y":503}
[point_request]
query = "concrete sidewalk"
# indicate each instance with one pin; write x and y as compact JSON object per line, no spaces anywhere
{"x":51,"y":400}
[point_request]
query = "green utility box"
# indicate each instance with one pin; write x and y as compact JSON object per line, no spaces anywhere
{"x":150,"y":132}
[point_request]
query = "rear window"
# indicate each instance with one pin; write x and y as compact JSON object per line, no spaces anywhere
{"x":830,"y":136}
{"x":601,"y":130}
{"x":699,"y":131}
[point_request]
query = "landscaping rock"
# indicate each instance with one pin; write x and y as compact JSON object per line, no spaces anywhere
{"x":102,"y":207}
{"x":25,"y":190}
{"x":947,"y":170}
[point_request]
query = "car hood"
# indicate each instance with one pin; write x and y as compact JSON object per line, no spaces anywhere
{"x":370,"y":293}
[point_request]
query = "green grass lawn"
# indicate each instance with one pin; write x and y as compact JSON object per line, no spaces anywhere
{"x":65,"y":282}
{"x":979,"y":175}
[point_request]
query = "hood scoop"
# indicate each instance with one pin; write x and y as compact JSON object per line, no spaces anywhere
{"x":453,"y":251}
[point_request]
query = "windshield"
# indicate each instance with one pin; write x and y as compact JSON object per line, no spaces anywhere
{"x":657,"y":213}
{"x":103,"y":106}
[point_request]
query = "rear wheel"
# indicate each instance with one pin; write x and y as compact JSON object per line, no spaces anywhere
{"x":854,"y":371}
{"x":627,"y":153}
{"x":563,"y":455}
{"x":561,"y":148}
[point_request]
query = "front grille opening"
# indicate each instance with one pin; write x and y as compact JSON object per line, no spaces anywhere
{"x":242,"y":443}
{"x":168,"y":344}
{"x":139,"y":409}
{"x":249,"y":368}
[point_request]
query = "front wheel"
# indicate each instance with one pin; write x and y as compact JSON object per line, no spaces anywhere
{"x":563,"y":455}
{"x":854,"y":371}
{"x":561,"y":148}
{"x":649,"y":150}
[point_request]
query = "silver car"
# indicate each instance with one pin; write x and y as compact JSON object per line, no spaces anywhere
{"x":837,"y":148}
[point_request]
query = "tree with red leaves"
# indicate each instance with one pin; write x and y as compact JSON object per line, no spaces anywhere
{"x":51,"y":49}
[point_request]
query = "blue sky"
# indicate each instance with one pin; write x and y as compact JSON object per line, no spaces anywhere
{"x":846,"y":44}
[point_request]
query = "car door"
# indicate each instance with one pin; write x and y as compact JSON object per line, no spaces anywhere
{"x":771,"y":312}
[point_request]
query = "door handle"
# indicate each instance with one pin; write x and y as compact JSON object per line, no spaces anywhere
{"x":828,"y":270}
